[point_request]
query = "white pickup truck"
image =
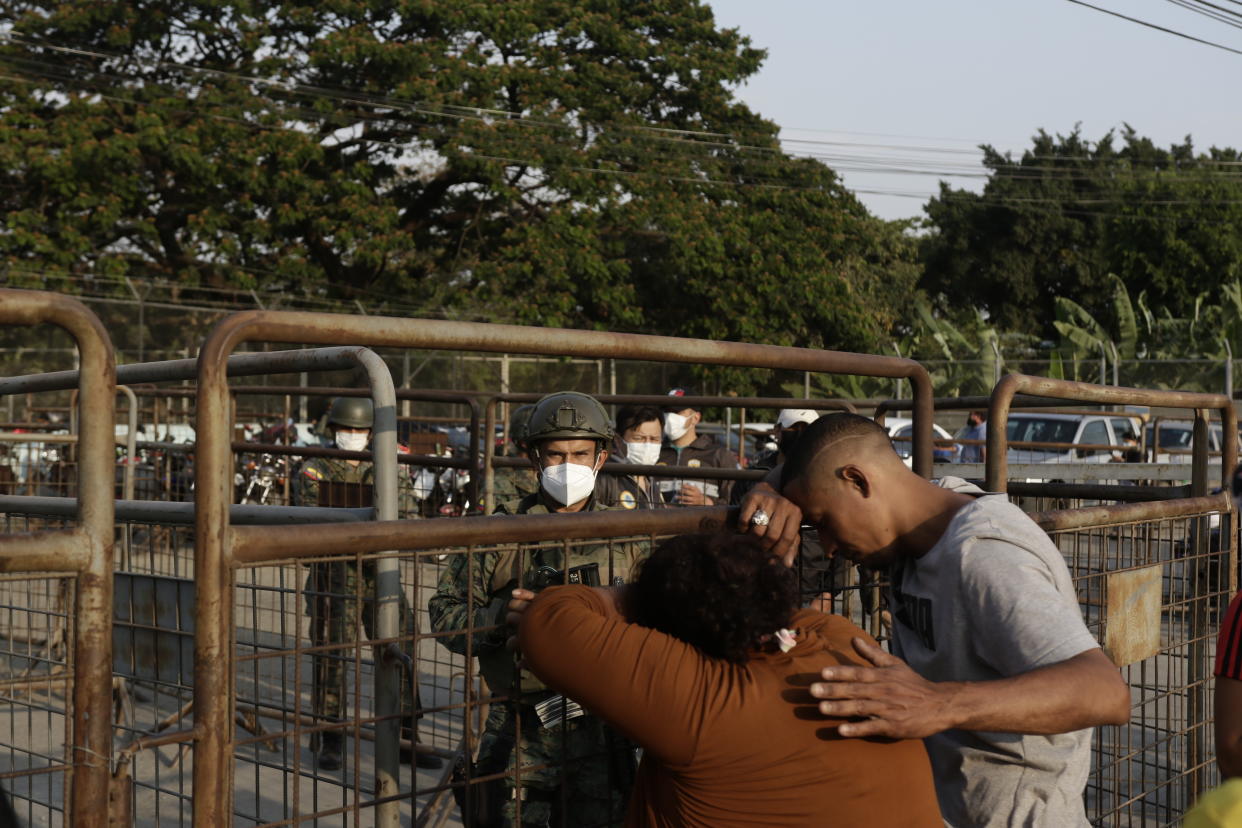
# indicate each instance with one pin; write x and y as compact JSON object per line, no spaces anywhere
{"x":1072,"y":439}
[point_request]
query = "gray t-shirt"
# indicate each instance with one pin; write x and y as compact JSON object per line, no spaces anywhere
{"x":993,"y":599}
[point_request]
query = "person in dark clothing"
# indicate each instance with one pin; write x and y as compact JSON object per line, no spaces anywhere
{"x":684,"y":446}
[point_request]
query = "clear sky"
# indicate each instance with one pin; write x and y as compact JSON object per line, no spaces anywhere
{"x":932,"y":80}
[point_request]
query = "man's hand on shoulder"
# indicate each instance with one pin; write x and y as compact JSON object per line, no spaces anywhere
{"x":1080,"y":692}
{"x":894,"y":701}
{"x":782,"y":532}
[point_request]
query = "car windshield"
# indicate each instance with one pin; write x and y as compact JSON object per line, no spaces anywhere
{"x":1040,"y":430}
{"x":1176,"y":437}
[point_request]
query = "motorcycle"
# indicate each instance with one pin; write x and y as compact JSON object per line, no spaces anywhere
{"x":258,"y":481}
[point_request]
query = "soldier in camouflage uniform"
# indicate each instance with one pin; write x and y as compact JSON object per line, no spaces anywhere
{"x":571,"y":771}
{"x":338,"y":593}
{"x":514,"y":483}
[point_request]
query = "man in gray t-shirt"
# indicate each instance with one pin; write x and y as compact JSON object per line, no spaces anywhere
{"x":992,"y":599}
{"x":994,"y":667}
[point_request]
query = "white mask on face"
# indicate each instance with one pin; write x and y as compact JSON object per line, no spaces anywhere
{"x":644,"y":454}
{"x":351,"y":440}
{"x":568,"y":483}
{"x":675,"y":426}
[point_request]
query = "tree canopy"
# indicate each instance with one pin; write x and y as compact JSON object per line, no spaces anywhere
{"x":541,"y":161}
{"x":1069,"y":212}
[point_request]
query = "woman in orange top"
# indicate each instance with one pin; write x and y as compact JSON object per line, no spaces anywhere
{"x":705,"y":661}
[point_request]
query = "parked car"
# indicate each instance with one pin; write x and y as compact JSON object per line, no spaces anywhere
{"x":1071,"y":438}
{"x":1173,"y":440}
{"x":901,"y":431}
{"x":1087,"y":430}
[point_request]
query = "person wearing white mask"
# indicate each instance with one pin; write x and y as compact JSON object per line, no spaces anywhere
{"x":640,"y":433}
{"x":583,"y":769}
{"x":332,"y":587}
{"x":684,"y":446}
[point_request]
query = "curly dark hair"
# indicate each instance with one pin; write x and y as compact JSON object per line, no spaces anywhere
{"x":718,"y":592}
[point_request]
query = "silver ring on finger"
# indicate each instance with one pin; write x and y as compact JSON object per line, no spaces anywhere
{"x":759,"y":518}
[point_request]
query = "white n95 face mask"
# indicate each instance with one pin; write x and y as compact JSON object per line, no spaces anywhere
{"x":675,"y":426}
{"x":351,"y":440}
{"x":568,"y":483}
{"x":644,"y":454}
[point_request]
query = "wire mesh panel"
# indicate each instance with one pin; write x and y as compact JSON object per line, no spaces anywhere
{"x":35,"y":677}
{"x":307,"y":664}
{"x":1149,"y":771}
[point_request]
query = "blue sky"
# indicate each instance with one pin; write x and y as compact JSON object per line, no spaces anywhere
{"x":916,"y":86}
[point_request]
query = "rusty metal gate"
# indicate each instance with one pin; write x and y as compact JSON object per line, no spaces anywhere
{"x":56,"y":681}
{"x":1152,"y":580}
{"x":223,"y":552}
{"x":240,"y":753}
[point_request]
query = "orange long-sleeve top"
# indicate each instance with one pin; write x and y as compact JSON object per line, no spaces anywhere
{"x":726,"y":744}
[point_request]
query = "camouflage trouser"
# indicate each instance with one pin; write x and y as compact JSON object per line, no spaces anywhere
{"x":339,"y":597}
{"x":575,"y":775}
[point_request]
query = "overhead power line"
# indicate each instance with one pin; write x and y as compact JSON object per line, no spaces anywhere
{"x":673,"y":143}
{"x":1210,"y":9}
{"x":884,"y":161}
{"x":681,"y":138}
{"x":1158,"y":28}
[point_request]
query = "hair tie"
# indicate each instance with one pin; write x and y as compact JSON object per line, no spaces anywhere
{"x":786,"y":639}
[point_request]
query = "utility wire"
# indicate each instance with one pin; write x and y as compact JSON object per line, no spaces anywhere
{"x":883,"y":164}
{"x":1226,"y":16}
{"x":680,"y":137}
{"x":1158,"y":28}
{"x":1215,"y":7}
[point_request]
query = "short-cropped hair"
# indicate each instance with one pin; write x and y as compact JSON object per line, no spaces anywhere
{"x":721,"y":593}
{"x":824,"y":431}
{"x":629,"y":416}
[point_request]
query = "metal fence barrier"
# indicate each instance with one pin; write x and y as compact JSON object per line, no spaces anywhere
{"x":82,"y":558}
{"x":227,"y":735}
{"x":1152,"y":579}
{"x":219,"y":547}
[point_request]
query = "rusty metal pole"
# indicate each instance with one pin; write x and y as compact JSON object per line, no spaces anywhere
{"x":476,"y":465}
{"x":213,"y":667}
{"x":1199,"y":667}
{"x":90,"y":739}
{"x":131,"y":440}
{"x":741,"y":436}
{"x":387,"y":592}
{"x":489,"y":454}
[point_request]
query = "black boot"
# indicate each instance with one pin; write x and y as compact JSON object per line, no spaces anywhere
{"x":330,"y":745}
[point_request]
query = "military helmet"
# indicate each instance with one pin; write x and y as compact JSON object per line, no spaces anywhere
{"x":352,"y":412}
{"x":568,"y":415}
{"x":519,"y":419}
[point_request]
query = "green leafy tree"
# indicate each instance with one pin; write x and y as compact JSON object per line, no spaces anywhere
{"x":1058,"y":220}
{"x":560,"y":163}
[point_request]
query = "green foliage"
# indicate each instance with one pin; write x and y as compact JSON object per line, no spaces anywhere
{"x":1067,"y":214}
{"x":579,"y":164}
{"x":1162,"y":350}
